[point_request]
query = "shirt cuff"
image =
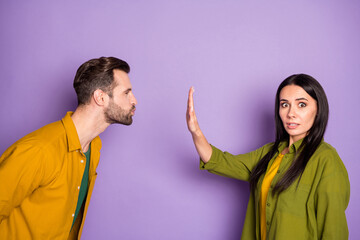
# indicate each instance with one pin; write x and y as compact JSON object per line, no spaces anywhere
{"x":214,"y":159}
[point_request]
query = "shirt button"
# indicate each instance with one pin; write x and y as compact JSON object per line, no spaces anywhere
{"x":78,"y":187}
{"x":278,"y":171}
{"x":82,"y":161}
{"x":268,"y":204}
{"x":73,"y":215}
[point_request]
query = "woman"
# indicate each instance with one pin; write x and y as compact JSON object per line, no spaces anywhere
{"x":299,"y":185}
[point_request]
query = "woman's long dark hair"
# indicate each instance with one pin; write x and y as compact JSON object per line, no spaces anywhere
{"x":311,"y":141}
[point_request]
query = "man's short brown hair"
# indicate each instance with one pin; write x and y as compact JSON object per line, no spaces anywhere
{"x":97,"y":73}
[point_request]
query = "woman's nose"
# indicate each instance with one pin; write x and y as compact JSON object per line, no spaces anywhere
{"x":291,"y":112}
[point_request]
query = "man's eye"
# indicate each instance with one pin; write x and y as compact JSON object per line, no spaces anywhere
{"x":302,"y":105}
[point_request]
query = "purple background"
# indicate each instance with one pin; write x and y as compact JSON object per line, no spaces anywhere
{"x":235,"y":54}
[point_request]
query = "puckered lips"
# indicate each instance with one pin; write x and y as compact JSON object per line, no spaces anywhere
{"x":133,"y":111}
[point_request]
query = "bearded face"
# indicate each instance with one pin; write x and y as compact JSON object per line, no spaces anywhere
{"x":116,"y":114}
{"x":121,"y":107}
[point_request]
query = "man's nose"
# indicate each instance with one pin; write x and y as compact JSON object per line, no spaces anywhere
{"x":133,"y":100}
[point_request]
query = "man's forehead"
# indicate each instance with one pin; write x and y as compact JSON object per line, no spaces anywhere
{"x":122,"y":79}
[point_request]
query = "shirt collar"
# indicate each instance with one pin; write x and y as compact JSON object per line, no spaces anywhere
{"x":293,"y":148}
{"x":71,"y":133}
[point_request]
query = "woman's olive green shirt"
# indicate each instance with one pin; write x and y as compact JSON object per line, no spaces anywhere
{"x":313,"y":210}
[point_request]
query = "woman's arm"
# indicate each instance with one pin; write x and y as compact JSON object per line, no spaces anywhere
{"x":201,"y":144}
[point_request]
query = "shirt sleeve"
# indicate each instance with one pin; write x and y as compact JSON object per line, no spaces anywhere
{"x":332,"y":199}
{"x":21,"y":172}
{"x":233,"y":166}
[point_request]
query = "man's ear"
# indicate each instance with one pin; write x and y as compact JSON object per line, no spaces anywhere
{"x":100,"y":97}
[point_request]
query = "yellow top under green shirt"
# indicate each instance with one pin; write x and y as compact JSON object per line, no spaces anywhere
{"x":265,"y":187}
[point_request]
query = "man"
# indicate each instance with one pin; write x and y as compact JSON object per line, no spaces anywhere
{"x":46,"y":178}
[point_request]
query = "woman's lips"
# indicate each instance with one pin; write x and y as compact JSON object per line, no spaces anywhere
{"x":292,"y":125}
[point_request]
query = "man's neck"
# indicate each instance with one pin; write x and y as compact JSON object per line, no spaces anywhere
{"x":89,"y":123}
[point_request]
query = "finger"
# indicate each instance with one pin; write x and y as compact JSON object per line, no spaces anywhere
{"x":191,"y":100}
{"x":188,"y":102}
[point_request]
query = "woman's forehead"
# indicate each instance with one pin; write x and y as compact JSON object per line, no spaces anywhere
{"x":291,"y":92}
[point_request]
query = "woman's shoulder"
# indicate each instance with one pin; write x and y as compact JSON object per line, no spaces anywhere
{"x":268,"y":145}
{"x":327,"y":157}
{"x":265,"y":148}
{"x":325,"y":148}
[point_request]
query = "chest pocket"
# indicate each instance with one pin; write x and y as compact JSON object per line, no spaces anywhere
{"x":294,"y":200}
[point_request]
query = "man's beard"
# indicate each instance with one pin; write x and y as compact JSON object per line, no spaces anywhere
{"x":115,"y":114}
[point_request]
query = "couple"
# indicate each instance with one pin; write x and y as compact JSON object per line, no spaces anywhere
{"x":299,"y":185}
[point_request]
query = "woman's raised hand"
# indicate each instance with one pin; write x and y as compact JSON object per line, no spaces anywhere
{"x":202,"y":146}
{"x":191,"y":119}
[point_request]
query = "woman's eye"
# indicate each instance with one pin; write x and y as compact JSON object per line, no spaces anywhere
{"x":284,"y":105}
{"x":302,"y":105}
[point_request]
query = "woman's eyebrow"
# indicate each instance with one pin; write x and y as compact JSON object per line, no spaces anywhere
{"x":298,"y":99}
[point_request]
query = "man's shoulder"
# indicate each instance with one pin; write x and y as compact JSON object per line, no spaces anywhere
{"x":39,"y":149}
{"x":48,"y":133}
{"x":43,"y":137}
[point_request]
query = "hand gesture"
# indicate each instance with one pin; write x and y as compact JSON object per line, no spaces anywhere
{"x":201,"y":144}
{"x":191,"y":119}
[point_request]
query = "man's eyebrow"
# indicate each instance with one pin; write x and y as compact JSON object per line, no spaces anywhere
{"x":128,"y":90}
